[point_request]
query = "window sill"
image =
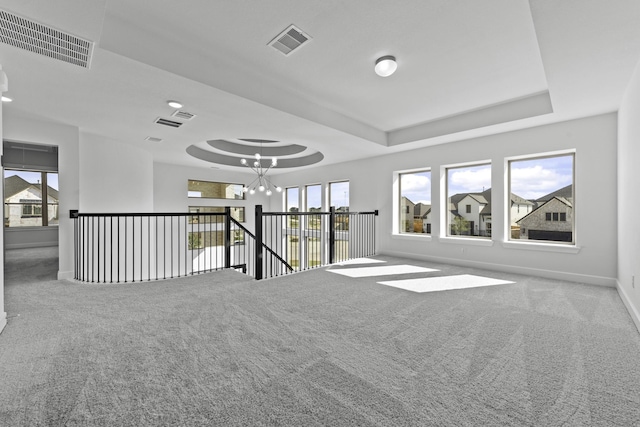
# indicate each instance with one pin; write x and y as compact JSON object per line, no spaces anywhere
{"x":411,"y":236}
{"x":478,"y":241}
{"x":30,"y":227}
{"x":543,"y":247}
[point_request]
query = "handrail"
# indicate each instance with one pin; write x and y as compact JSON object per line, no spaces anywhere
{"x":143,"y":246}
{"x":278,"y":257}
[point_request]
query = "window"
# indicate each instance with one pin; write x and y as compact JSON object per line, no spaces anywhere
{"x":415,"y":202}
{"x":292,"y":201}
{"x":468,"y":190}
{"x":339,"y":195}
{"x":237,"y":213}
{"x":214,"y":190}
{"x":29,"y":194}
{"x":314,"y":198}
{"x":544,"y":187}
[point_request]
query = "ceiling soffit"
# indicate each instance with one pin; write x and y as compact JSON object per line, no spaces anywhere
{"x":255,"y":72}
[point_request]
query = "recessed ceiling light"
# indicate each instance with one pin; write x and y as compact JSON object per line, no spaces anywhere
{"x":386,"y":65}
{"x":6,"y":99}
{"x":174,"y":104}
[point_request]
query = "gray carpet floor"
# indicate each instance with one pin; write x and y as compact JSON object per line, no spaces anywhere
{"x":310,"y":349}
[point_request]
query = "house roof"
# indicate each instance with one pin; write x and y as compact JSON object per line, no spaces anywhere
{"x":535,"y":211}
{"x":14,"y":184}
{"x":421,"y":209}
{"x":566,"y":192}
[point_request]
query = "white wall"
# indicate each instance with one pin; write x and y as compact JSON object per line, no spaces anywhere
{"x":628,"y":201}
{"x":114,"y":177}
{"x":66,"y":138}
{"x":3,"y":314}
{"x":371,"y":184}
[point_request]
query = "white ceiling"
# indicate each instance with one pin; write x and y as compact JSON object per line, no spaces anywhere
{"x":465,"y":68}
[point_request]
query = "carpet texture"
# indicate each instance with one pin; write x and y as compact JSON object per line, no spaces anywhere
{"x":313,"y":349}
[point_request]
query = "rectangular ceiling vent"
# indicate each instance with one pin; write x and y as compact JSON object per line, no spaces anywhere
{"x":153,"y":139}
{"x":168,"y":122}
{"x":183,"y":115}
{"x":289,"y":40}
{"x":44,"y":40}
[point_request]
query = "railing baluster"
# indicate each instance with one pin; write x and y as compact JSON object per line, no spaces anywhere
{"x":305,"y":239}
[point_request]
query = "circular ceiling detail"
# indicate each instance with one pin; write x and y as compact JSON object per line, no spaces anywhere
{"x":250,"y":150}
{"x":230,"y":153}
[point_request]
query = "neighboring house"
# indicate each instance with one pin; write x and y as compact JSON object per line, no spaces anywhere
{"x":552,"y":220}
{"x":475,"y":208}
{"x":468,"y":207}
{"x":422,"y":213}
{"x":407,"y":209}
{"x":23,"y":203}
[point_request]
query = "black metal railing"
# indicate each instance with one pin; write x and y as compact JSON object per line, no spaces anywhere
{"x":135,"y":247}
{"x":307,"y":240}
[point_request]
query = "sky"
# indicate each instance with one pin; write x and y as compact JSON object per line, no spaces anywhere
{"x":468,"y":179}
{"x":530,"y":179}
{"x":416,"y":187}
{"x":535,"y":178}
{"x":339,"y":193}
{"x":314,"y":196}
{"x":34,"y":177}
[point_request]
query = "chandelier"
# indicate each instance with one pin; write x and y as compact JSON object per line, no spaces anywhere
{"x":261,"y":183}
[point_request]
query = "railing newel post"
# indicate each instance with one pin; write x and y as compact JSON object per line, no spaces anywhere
{"x":227,"y":237}
{"x":258,"y":248}
{"x":332,"y":234}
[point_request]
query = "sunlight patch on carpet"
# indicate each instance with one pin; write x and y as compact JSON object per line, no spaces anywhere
{"x":384,"y":270}
{"x":445,"y":283}
{"x":360,"y":261}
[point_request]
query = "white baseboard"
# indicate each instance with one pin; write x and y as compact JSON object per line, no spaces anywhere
{"x":65,"y":275}
{"x":548,"y":274}
{"x":633,"y":311}
{"x":3,"y":321}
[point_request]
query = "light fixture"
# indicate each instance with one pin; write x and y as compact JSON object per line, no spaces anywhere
{"x":261,"y":183}
{"x":6,"y":99}
{"x":174,"y":104}
{"x":386,"y":65}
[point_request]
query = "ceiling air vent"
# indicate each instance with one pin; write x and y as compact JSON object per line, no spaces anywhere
{"x":183,"y":115}
{"x":289,"y":40}
{"x":168,"y":122}
{"x":44,"y":40}
{"x":153,"y":139}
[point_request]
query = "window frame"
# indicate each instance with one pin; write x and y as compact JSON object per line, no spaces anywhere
{"x":241,"y":193}
{"x":38,"y":208}
{"x":445,"y":229}
{"x":330,"y":193}
{"x":398,"y":225}
{"x":553,"y":245}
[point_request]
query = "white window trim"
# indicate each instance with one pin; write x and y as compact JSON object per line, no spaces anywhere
{"x":547,"y":246}
{"x":444,"y":201}
{"x":542,"y":247}
{"x":396,"y":195}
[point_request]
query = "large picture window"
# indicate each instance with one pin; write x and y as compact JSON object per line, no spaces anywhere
{"x":29,"y":194}
{"x":541,"y":205}
{"x":415,"y":202}
{"x":214,"y":190}
{"x":468,"y":208}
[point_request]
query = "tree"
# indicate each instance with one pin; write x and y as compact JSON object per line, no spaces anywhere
{"x":459,"y":226}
